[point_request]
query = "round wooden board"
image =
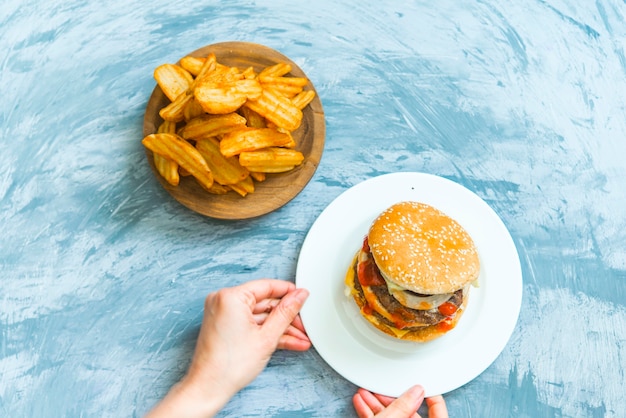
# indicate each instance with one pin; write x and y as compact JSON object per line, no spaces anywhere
{"x":278,"y":189}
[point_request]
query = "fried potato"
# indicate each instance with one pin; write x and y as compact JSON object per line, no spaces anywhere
{"x":225,"y":89}
{"x":253,"y":119}
{"x":243,"y":187}
{"x":192,"y":110}
{"x":251,"y":139}
{"x":175,"y":111}
{"x":291,"y":143}
{"x":168,"y":169}
{"x":276,"y":70}
{"x":268,"y":169}
{"x":249,"y":73}
{"x":268,"y":159}
{"x":218,"y":189}
{"x":276,"y":109}
{"x":167,"y":127}
{"x":175,"y":148}
{"x":226,"y":98}
{"x":173,"y":80}
{"x":258,"y":176}
{"x":302,"y":99}
{"x":238,"y":123}
{"x":286,"y":86}
{"x":225,"y":170}
{"x":208,"y":66}
{"x":289,"y":81}
{"x":206,"y":126}
{"x":192,"y":64}
{"x":283,"y":90}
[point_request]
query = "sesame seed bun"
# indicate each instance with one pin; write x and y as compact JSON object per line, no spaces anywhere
{"x":421,"y":249}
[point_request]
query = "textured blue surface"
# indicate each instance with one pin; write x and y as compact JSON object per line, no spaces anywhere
{"x":103,"y":275}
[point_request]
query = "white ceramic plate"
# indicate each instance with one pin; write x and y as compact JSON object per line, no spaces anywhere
{"x":366,"y":356}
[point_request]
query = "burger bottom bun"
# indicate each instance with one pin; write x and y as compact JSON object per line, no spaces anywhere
{"x":416,"y":334}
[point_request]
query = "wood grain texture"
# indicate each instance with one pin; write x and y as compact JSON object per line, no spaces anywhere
{"x":278,"y":189}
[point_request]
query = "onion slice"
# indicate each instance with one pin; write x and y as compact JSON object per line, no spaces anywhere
{"x":414,"y":301}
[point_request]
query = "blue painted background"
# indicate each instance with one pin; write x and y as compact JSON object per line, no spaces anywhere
{"x":103,"y":275}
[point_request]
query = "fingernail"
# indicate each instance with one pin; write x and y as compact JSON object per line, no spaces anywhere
{"x":301,"y":295}
{"x":417,"y":391}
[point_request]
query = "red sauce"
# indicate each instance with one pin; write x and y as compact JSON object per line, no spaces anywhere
{"x":447,"y":308}
{"x":368,"y":274}
{"x":368,"y":310}
{"x":399,"y":323}
{"x":367,"y":271}
{"x":445,"y":326}
{"x":366,"y":245}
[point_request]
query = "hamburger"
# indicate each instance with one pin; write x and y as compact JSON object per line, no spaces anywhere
{"x":412,"y":276}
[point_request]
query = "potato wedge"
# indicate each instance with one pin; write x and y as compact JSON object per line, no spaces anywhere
{"x":276,"y":109}
{"x":302,"y":99}
{"x":220,"y":117}
{"x":225,"y":89}
{"x":258,"y":176}
{"x":225,"y":170}
{"x":168,"y":169}
{"x":271,"y":158}
{"x":276,"y":70}
{"x":253,"y":119}
{"x":175,"y":111}
{"x":173,"y":80}
{"x":268,"y":169}
{"x":175,"y":148}
{"x":192,"y":64}
{"x":251,"y":139}
{"x":243,"y":187}
{"x":192,"y":110}
{"x":206,"y":126}
{"x":218,"y":189}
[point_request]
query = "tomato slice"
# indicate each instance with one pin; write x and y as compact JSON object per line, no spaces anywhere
{"x":368,"y":274}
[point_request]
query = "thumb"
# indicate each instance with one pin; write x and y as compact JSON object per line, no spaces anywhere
{"x":284,"y":313}
{"x":406,"y":404}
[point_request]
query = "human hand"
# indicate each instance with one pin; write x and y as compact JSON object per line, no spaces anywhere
{"x":241,"y":328}
{"x":368,"y":404}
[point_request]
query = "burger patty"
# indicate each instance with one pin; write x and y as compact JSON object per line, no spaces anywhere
{"x":426,"y":317}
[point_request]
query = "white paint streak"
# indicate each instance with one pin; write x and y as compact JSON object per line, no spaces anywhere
{"x":583,"y":374}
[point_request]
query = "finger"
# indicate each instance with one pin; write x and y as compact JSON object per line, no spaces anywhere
{"x":295,"y":332}
{"x":289,"y":342}
{"x":291,"y":334}
{"x":371,"y":400}
{"x":385,"y":400}
{"x":265,"y":305}
{"x":297,"y":322}
{"x":291,"y":329}
{"x":284,"y":313}
{"x":407,"y":403}
{"x":360,"y":406}
{"x":260,"y":318}
{"x":437,"y":407}
{"x":267,"y":289}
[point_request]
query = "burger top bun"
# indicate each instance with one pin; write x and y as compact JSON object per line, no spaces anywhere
{"x":421,"y":249}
